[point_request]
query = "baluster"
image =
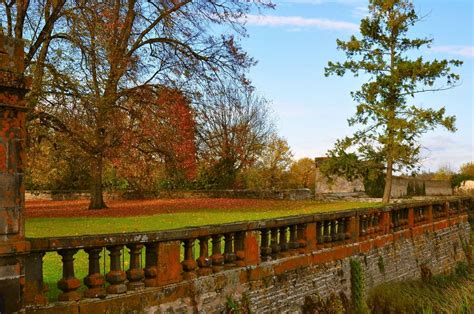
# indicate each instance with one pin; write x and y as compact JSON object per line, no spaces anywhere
{"x":363,"y":230}
{"x":116,"y":276}
{"x":370,"y":224}
{"x":293,"y":245}
{"x":274,"y":245}
{"x":33,"y":266}
{"x":135,"y":274}
{"x":265,"y":249}
{"x":94,"y":280}
{"x":301,"y":231}
{"x":151,"y":261}
{"x":377,"y":226}
{"x":319,"y":234}
{"x":189,"y":264}
{"x":203,"y":262}
{"x":395,"y":219}
{"x":283,"y":242}
{"x":392,"y":221}
{"x":347,"y":232}
{"x":229,"y":255}
{"x":68,"y":284}
{"x":333,"y":230}
{"x":341,"y":229}
{"x":326,"y":235}
{"x":217,"y":258}
{"x":367,"y":222}
{"x":446,"y":209}
{"x":239,"y":249}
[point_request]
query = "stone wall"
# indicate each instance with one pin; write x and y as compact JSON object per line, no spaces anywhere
{"x":336,"y":185}
{"x":431,"y":187}
{"x":466,"y":188}
{"x":339,"y":186}
{"x":281,"y":285}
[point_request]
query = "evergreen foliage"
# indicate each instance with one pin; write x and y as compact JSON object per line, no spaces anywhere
{"x":391,"y":124}
{"x":359,"y":305}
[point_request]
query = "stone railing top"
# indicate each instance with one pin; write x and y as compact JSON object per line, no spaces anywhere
{"x":101,"y":240}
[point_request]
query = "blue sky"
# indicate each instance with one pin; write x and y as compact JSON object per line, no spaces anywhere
{"x":294,"y":42}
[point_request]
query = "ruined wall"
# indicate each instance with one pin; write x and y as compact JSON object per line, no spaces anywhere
{"x":466,"y":188}
{"x":281,"y":286}
{"x":336,"y":185}
{"x":431,"y":187}
{"x":399,"y":186}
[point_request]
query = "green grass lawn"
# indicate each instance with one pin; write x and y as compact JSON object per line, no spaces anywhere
{"x":48,"y":227}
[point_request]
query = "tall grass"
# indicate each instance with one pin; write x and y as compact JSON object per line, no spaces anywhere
{"x":453,"y":293}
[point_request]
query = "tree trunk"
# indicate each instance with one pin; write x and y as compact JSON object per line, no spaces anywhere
{"x":97,"y":199}
{"x":388,"y":182}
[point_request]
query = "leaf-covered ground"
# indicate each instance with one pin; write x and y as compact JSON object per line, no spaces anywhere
{"x":63,"y":218}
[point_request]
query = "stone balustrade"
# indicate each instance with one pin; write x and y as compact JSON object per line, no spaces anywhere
{"x":165,"y":257}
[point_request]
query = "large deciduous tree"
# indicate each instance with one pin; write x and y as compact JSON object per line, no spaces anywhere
{"x":161,"y":138}
{"x":302,"y":173}
{"x":275,"y":162}
{"x":391,"y":124}
{"x":106,"y":51}
{"x":233,"y":127}
{"x":34,"y":22}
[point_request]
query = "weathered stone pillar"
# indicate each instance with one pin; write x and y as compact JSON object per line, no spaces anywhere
{"x":13,"y":86}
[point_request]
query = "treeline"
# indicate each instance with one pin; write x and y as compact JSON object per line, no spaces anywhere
{"x":465,"y":173}
{"x":208,"y":153}
{"x":132,"y":94}
{"x":144,"y":95}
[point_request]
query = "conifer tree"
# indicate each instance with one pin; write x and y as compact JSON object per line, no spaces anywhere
{"x":390,"y":123}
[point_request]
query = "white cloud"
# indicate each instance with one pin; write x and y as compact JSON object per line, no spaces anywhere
{"x":318,"y":2}
{"x":360,"y":11}
{"x":298,"y":22}
{"x":445,"y":150}
{"x":465,"y":51}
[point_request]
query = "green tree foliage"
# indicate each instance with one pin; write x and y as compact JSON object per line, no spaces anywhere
{"x":54,"y":164}
{"x":390,"y":124}
{"x":302,"y":173}
{"x":275,"y":162}
{"x":272,"y":168}
{"x":467,"y":168}
{"x":351,"y":166}
{"x":444,"y":172}
{"x":466,"y":172}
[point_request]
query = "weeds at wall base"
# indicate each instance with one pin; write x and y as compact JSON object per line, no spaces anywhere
{"x":453,"y":293}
